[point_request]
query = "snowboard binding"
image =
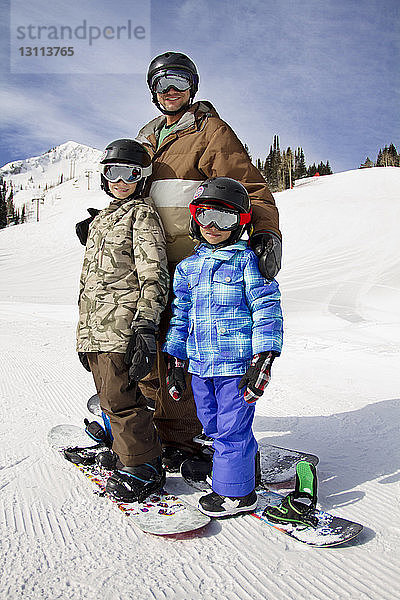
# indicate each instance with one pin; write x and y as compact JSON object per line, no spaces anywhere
{"x":97,"y":432}
{"x":299,"y":506}
{"x":84,"y":456}
{"x":100,"y":454}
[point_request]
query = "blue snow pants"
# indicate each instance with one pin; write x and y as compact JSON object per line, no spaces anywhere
{"x":227,"y":418}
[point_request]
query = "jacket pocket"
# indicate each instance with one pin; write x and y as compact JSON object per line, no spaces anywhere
{"x":234,"y":339}
{"x":227,"y":286}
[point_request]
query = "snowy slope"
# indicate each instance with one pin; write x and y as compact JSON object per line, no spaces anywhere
{"x":68,"y":160}
{"x":334,"y":392}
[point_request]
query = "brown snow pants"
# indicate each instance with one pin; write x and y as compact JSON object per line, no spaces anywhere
{"x":176,"y":422}
{"x":135,"y":436}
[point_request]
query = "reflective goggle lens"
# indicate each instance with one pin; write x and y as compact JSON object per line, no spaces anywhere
{"x":219,"y":218}
{"x":178,"y":80}
{"x":128,"y":174}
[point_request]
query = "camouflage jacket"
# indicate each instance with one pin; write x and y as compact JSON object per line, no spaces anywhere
{"x":124,"y":275}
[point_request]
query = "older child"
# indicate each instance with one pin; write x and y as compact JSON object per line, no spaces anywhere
{"x":227,"y":321}
{"x":123,"y":291}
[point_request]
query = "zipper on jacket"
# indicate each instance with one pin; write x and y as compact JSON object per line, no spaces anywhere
{"x":167,"y":141}
{"x":101,"y":251}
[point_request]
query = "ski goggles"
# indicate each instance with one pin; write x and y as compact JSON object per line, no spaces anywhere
{"x":221,"y":218}
{"x":180,"y":80}
{"x":128,"y":173}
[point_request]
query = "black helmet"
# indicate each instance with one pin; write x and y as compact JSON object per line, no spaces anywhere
{"x":127,"y":152}
{"x":176,"y":61}
{"x":222,"y":191}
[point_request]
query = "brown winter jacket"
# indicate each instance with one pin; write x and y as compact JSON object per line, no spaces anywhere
{"x":200,"y":146}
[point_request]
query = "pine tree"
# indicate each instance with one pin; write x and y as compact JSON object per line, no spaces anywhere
{"x":367,"y":164}
{"x":273,"y":166}
{"x":3,"y":204}
{"x":23,"y":214}
{"x":324,"y":169}
{"x":10,"y":207}
{"x":312,"y":170}
{"x":388,"y":157}
{"x":393,"y":158}
{"x":289,"y":168}
{"x":282,"y":169}
{"x":300,"y":169}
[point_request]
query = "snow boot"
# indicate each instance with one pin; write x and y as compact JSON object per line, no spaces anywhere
{"x":135,"y":484}
{"x":196,"y":469}
{"x":173,"y":457}
{"x":215,"y":505}
{"x":298,"y":507}
{"x":108,"y":460}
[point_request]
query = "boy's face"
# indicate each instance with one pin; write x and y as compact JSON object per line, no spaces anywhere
{"x":121,"y":190}
{"x":213,"y":235}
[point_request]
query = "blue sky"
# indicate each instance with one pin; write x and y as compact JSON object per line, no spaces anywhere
{"x":323,"y":74}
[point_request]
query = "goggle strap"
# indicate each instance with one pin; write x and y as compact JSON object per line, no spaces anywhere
{"x":147,"y":171}
{"x":245,"y":218}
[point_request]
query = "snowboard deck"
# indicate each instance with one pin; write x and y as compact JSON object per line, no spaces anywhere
{"x":278,"y":468}
{"x":159,"y":514}
{"x":329,"y":531}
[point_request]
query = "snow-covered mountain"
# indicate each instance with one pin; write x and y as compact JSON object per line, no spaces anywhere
{"x":334,"y":392}
{"x":48,"y":177}
{"x":68,"y":160}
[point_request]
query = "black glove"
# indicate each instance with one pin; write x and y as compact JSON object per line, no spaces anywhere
{"x":268,"y":247}
{"x":176,"y":382}
{"x":141,"y":352}
{"x":82,"y":228}
{"x":84,"y":360}
{"x":257,"y":376}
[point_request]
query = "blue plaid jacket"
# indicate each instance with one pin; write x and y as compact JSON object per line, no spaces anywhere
{"x":224,"y":311}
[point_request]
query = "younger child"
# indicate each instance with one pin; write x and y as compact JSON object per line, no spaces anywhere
{"x":123,"y":290}
{"x":227,"y":321}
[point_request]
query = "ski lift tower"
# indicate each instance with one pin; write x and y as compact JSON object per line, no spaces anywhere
{"x":88,"y":174}
{"x":38,"y":201}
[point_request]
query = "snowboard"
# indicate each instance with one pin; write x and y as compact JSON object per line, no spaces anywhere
{"x":159,"y":514}
{"x":328,"y":531}
{"x":278,"y":468}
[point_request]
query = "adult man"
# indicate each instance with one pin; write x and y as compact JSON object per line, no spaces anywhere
{"x":189,"y":144}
